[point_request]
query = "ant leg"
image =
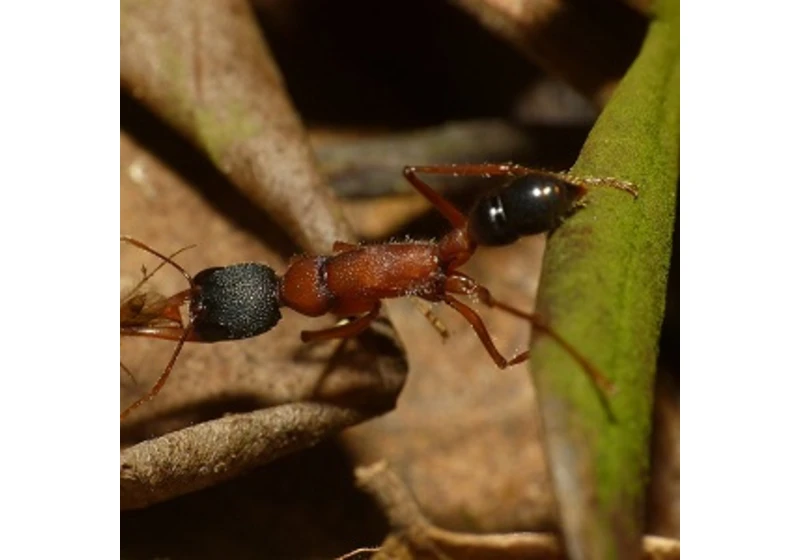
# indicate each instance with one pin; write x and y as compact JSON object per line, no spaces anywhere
{"x":347,"y":330}
{"x":427,"y":310}
{"x":162,"y":333}
{"x":453,"y":215}
{"x":124,"y":367}
{"x":187,"y":335}
{"x":480,"y":329}
{"x":462,"y":284}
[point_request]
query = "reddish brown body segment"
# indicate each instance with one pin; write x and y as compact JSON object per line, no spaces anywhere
{"x":354,"y":280}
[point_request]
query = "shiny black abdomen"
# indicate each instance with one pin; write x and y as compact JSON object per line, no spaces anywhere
{"x":534,"y":203}
{"x":235,"y":302}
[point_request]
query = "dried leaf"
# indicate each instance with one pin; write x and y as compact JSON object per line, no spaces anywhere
{"x":205,"y":69}
{"x":587,"y":44}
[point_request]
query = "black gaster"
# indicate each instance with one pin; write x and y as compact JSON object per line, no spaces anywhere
{"x":534,"y":203}
{"x":235,"y":302}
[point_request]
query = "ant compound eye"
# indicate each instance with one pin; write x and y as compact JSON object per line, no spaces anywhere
{"x":235,"y":302}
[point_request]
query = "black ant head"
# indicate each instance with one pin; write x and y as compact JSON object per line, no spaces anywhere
{"x":235,"y":302}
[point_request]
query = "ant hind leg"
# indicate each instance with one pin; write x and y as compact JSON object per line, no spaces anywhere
{"x":347,"y":330}
{"x":479,"y":327}
{"x":462,"y":284}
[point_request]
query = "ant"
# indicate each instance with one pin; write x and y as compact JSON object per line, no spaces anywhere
{"x":244,"y":300}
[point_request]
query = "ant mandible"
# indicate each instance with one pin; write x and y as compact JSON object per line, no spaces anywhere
{"x":244,"y":300}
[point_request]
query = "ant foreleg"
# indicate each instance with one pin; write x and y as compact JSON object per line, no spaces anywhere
{"x":186,"y":335}
{"x":426,"y":309}
{"x":462,"y":284}
{"x":347,"y":330}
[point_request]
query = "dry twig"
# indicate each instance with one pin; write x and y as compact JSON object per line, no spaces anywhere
{"x":415,"y":537}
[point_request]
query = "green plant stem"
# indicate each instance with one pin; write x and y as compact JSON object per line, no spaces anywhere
{"x":603,"y":288}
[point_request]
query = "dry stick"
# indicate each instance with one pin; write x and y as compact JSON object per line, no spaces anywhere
{"x":209,"y":453}
{"x":398,"y":504}
{"x":407,"y":519}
